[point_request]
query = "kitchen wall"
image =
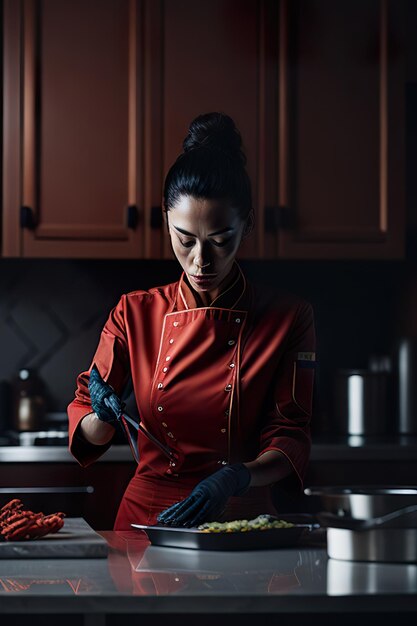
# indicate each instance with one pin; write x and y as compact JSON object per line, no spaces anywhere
{"x":52,"y":312}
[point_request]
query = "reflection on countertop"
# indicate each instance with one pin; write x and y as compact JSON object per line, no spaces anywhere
{"x":137,"y":577}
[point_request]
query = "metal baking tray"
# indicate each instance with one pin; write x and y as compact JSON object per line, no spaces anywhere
{"x":195,"y":539}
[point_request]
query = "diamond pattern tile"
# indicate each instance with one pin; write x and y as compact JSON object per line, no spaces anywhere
{"x":40,"y":330}
{"x":61,"y":370}
{"x":13,"y":352}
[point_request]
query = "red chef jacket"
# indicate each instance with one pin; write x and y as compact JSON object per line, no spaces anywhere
{"x":217,"y":384}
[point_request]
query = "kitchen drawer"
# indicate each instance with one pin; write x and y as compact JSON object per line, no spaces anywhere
{"x":93,"y":493}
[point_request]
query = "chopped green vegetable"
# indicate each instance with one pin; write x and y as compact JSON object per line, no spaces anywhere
{"x":262,"y":522}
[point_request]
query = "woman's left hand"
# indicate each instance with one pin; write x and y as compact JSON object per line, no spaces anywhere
{"x":208,"y":499}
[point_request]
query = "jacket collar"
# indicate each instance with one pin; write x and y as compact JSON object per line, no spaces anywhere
{"x":235,"y":296}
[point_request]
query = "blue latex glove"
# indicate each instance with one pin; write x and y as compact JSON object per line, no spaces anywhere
{"x":208,"y":499}
{"x":106,"y":404}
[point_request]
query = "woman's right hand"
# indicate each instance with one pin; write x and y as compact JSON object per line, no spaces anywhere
{"x":98,"y":427}
{"x":106,"y":404}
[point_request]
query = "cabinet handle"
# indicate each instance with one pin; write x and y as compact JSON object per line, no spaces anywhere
{"x":27,"y":218}
{"x":156,"y":217}
{"x":277,"y":218}
{"x":132,"y":216}
{"x":87,"y":489}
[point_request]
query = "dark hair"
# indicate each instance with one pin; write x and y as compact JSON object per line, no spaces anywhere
{"x":211,"y":166}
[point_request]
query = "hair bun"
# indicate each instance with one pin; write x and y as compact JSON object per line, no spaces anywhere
{"x":215,"y":131}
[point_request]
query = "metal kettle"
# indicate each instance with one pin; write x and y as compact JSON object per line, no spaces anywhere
{"x":28,"y":402}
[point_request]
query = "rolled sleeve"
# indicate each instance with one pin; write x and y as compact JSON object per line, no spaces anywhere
{"x":112,"y":360}
{"x":286,"y":427}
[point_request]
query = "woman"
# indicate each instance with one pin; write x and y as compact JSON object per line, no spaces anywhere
{"x":222,"y":370}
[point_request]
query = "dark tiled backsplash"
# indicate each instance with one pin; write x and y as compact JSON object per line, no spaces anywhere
{"x":52,"y":312}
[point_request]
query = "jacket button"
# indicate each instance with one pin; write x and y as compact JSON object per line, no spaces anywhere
{"x":160,"y":386}
{"x":223,"y":430}
{"x":171,"y":341}
{"x":237,"y":320}
{"x":228,"y":387}
{"x":232,"y":365}
{"x":164,"y":425}
{"x":231,"y":342}
{"x":160,"y":408}
{"x":165,"y":369}
{"x":175,"y":324}
{"x":167,"y":358}
{"x":170,"y":435}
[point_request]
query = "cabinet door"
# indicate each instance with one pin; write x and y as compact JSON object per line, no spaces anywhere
{"x":73,"y":135}
{"x":219,"y":55}
{"x":341,"y":127}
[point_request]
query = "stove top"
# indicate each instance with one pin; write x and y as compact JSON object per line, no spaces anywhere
{"x":35,"y":438}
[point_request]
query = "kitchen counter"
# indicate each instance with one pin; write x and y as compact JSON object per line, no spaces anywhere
{"x":137,"y":578}
{"x":321,"y":451}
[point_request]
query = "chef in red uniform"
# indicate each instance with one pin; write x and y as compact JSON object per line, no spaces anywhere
{"x":222,"y":369}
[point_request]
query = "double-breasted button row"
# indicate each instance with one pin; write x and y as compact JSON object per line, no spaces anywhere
{"x":165,"y":425}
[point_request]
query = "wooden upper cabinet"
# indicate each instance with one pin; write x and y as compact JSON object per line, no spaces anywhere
{"x":341,"y":129}
{"x":215,"y":57}
{"x":99,"y":94}
{"x":73,"y":183}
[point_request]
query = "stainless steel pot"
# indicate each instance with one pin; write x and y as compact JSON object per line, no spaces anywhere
{"x":407,"y":390}
{"x":355,"y":531}
{"x":362,"y":402}
{"x":388,"y":545}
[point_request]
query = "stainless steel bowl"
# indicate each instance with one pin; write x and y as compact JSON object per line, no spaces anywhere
{"x":366,"y":502}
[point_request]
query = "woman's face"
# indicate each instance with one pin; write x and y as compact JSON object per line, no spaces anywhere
{"x":205,"y":236}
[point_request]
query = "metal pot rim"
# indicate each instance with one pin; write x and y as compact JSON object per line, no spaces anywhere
{"x":369,"y":490}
